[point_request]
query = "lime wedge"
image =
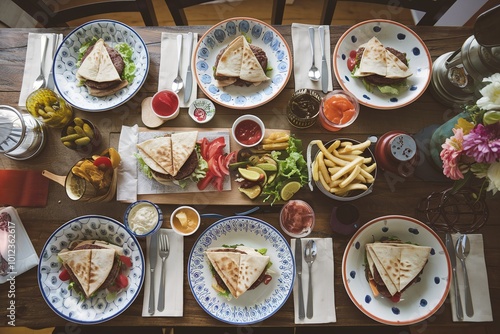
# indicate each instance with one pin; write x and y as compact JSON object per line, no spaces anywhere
{"x":289,"y":190}
{"x":250,"y":175}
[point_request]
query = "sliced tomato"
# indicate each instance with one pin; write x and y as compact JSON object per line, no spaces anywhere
{"x":216,"y":147}
{"x":103,"y":163}
{"x":218,"y":182}
{"x":126,"y":261}
{"x":64,"y":275}
{"x":230,"y":158}
{"x":224,"y":169}
{"x":121,"y":281}
{"x":202,"y":184}
{"x":213,"y":167}
{"x":204,"y":147}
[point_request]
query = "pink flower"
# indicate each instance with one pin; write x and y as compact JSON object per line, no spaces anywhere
{"x":483,"y":143}
{"x":450,"y":155}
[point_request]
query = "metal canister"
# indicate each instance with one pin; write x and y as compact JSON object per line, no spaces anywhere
{"x":396,"y":152}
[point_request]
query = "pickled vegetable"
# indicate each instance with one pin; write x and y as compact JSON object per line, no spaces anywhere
{"x":49,"y":107}
{"x":78,"y":134}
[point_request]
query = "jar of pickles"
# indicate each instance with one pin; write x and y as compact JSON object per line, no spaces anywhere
{"x":49,"y":107}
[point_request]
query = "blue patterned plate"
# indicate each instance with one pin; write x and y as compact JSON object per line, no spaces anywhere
{"x":255,"y":305}
{"x":391,"y":34}
{"x":64,"y":68}
{"x":100,"y":308}
{"x":420,"y":300}
{"x":258,"y":33}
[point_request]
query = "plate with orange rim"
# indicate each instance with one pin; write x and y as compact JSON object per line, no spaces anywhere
{"x":391,"y":34}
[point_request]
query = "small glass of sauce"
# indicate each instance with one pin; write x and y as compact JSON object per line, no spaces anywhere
{"x":248,"y":130}
{"x":297,"y":218}
{"x":143,"y":218}
{"x":165,"y":104}
{"x":338,"y":110}
{"x":185,"y":220}
{"x":303,"y":108}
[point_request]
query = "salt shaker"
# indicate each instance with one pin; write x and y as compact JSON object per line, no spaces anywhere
{"x":396,"y":152}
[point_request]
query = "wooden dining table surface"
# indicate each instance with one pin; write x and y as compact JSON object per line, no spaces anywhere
{"x":391,"y":195}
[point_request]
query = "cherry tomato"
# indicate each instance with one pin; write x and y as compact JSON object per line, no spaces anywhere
{"x":126,"y":261}
{"x":103,"y":163}
{"x":396,"y":297}
{"x":64,"y":275}
{"x":121,"y":281}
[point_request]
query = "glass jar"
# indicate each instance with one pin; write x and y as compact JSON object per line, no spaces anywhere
{"x":49,"y":107}
{"x":338,"y":110}
{"x":303,"y":108}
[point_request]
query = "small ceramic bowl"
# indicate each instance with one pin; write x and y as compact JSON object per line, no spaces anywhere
{"x":297,"y":218}
{"x":202,"y":111}
{"x":143,"y":218}
{"x":248,"y":130}
{"x":165,"y":104}
{"x":81,"y":135}
{"x":185,"y":220}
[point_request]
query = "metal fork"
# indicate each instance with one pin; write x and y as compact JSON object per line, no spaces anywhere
{"x":40,"y":80}
{"x":164,"y":251}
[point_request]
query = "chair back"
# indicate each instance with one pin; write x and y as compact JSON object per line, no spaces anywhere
{"x":50,"y":14}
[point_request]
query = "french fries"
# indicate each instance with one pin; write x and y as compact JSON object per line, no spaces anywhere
{"x":276,"y":141}
{"x":341,"y":167}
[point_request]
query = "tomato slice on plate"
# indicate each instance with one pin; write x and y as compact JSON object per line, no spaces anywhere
{"x":202,"y":184}
{"x":221,"y":162}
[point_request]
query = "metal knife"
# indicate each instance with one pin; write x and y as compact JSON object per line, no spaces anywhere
{"x":298,"y":266}
{"x":189,"y":74}
{"x":453,"y":259}
{"x":153,"y":254}
{"x":324,"y":67}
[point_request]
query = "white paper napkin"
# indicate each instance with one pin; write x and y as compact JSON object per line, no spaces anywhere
{"x":15,"y":241}
{"x":302,"y":57}
{"x":169,"y":62}
{"x":478,"y":281}
{"x":323,"y":285}
{"x":33,"y":60}
{"x":174,"y":278}
{"x":126,"y":187}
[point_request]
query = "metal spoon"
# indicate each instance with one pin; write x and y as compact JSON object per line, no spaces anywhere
{"x":310,"y":253}
{"x":178,"y":83}
{"x":463,"y":249}
{"x":40,"y":80}
{"x":314,"y":73}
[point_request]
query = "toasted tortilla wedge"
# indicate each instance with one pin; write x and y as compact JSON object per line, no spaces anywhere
{"x":251,"y":267}
{"x":100,"y":266}
{"x":376,"y":263}
{"x":79,"y":263}
{"x":157,"y":154}
{"x":231,"y":60}
{"x":395,"y":67}
{"x":251,"y":70}
{"x":373,"y":60}
{"x":183,"y":144}
{"x":98,"y":65}
{"x":227,"y":265}
{"x":413,"y":259}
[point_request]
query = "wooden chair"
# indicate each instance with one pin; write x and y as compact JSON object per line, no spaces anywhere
{"x":434,"y":9}
{"x":48,"y":14}
{"x":176,"y":8}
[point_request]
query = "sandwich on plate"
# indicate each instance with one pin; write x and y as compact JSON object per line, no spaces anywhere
{"x":103,"y":69}
{"x":173,"y":158}
{"x":382,"y":67}
{"x":394,"y":266}
{"x":237,"y":269}
{"x":92,"y":266}
{"x":241,"y":64}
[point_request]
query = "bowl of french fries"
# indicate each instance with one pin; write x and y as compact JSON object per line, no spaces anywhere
{"x":342,"y":169}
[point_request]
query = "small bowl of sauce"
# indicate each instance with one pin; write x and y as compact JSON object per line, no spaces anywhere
{"x":338,"y":110}
{"x":248,"y":130}
{"x":165,"y":104}
{"x":143,"y":218}
{"x":202,"y":111}
{"x":297,"y":218}
{"x":185,"y":220}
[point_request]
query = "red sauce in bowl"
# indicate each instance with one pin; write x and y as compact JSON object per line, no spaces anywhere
{"x":248,"y":132}
{"x":297,"y":218}
{"x":165,"y":103}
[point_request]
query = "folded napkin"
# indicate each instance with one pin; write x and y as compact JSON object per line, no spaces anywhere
{"x":13,"y":234}
{"x":126,"y":186}
{"x":169,"y":63}
{"x":174,"y":278}
{"x":26,"y":188}
{"x":33,"y":60}
{"x":478,"y":281}
{"x":323,"y":285}
{"x":302,"y":57}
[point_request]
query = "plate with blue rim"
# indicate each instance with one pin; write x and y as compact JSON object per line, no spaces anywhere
{"x":391,"y":34}
{"x":254,"y":305}
{"x":66,"y":58}
{"x":257,"y":33}
{"x":420,"y":300}
{"x":102,"y":307}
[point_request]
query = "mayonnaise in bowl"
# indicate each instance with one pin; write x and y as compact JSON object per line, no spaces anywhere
{"x":143,"y":218}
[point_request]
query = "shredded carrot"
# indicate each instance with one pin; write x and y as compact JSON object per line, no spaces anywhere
{"x":373,"y":286}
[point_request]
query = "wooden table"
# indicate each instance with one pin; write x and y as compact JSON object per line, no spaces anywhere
{"x":391,"y":196}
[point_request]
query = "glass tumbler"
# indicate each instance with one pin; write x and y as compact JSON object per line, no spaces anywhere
{"x":49,"y":107}
{"x":303,"y":108}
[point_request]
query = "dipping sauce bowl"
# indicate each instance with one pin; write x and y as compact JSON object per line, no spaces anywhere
{"x":165,"y":104}
{"x":143,"y":218}
{"x":185,"y":220}
{"x":248,"y":130}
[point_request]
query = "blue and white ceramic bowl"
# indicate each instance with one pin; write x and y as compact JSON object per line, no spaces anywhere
{"x":66,"y":57}
{"x":254,"y":305}
{"x":258,"y":33}
{"x":420,"y":300}
{"x":64,"y":301}
{"x":391,"y":34}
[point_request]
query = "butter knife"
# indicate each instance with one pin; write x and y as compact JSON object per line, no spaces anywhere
{"x":153,"y":253}
{"x":298,"y":267}
{"x":453,"y":259}
{"x":189,"y":74}
{"x":324,"y":66}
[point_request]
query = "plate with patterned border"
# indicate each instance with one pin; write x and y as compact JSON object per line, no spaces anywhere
{"x":65,"y":302}
{"x":66,"y":57}
{"x":391,"y":34}
{"x":420,"y":300}
{"x":255,"y":305}
{"x":257,"y":33}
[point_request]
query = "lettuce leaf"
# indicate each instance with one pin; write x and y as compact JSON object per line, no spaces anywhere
{"x":126,"y":52}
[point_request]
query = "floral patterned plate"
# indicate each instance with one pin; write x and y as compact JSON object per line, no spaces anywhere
{"x":420,"y":300}
{"x":391,"y":34}
{"x":255,"y":305}
{"x":100,"y":308}
{"x":258,"y":33}
{"x":66,"y":57}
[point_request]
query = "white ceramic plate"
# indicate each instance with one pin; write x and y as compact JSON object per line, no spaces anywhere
{"x":254,"y":305}
{"x":391,"y":34}
{"x":64,"y":68}
{"x":421,"y":299}
{"x":262,"y":35}
{"x":63,"y":301}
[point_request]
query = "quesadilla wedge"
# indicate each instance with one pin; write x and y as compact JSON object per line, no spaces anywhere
{"x":393,"y":266}
{"x":237,"y":269}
